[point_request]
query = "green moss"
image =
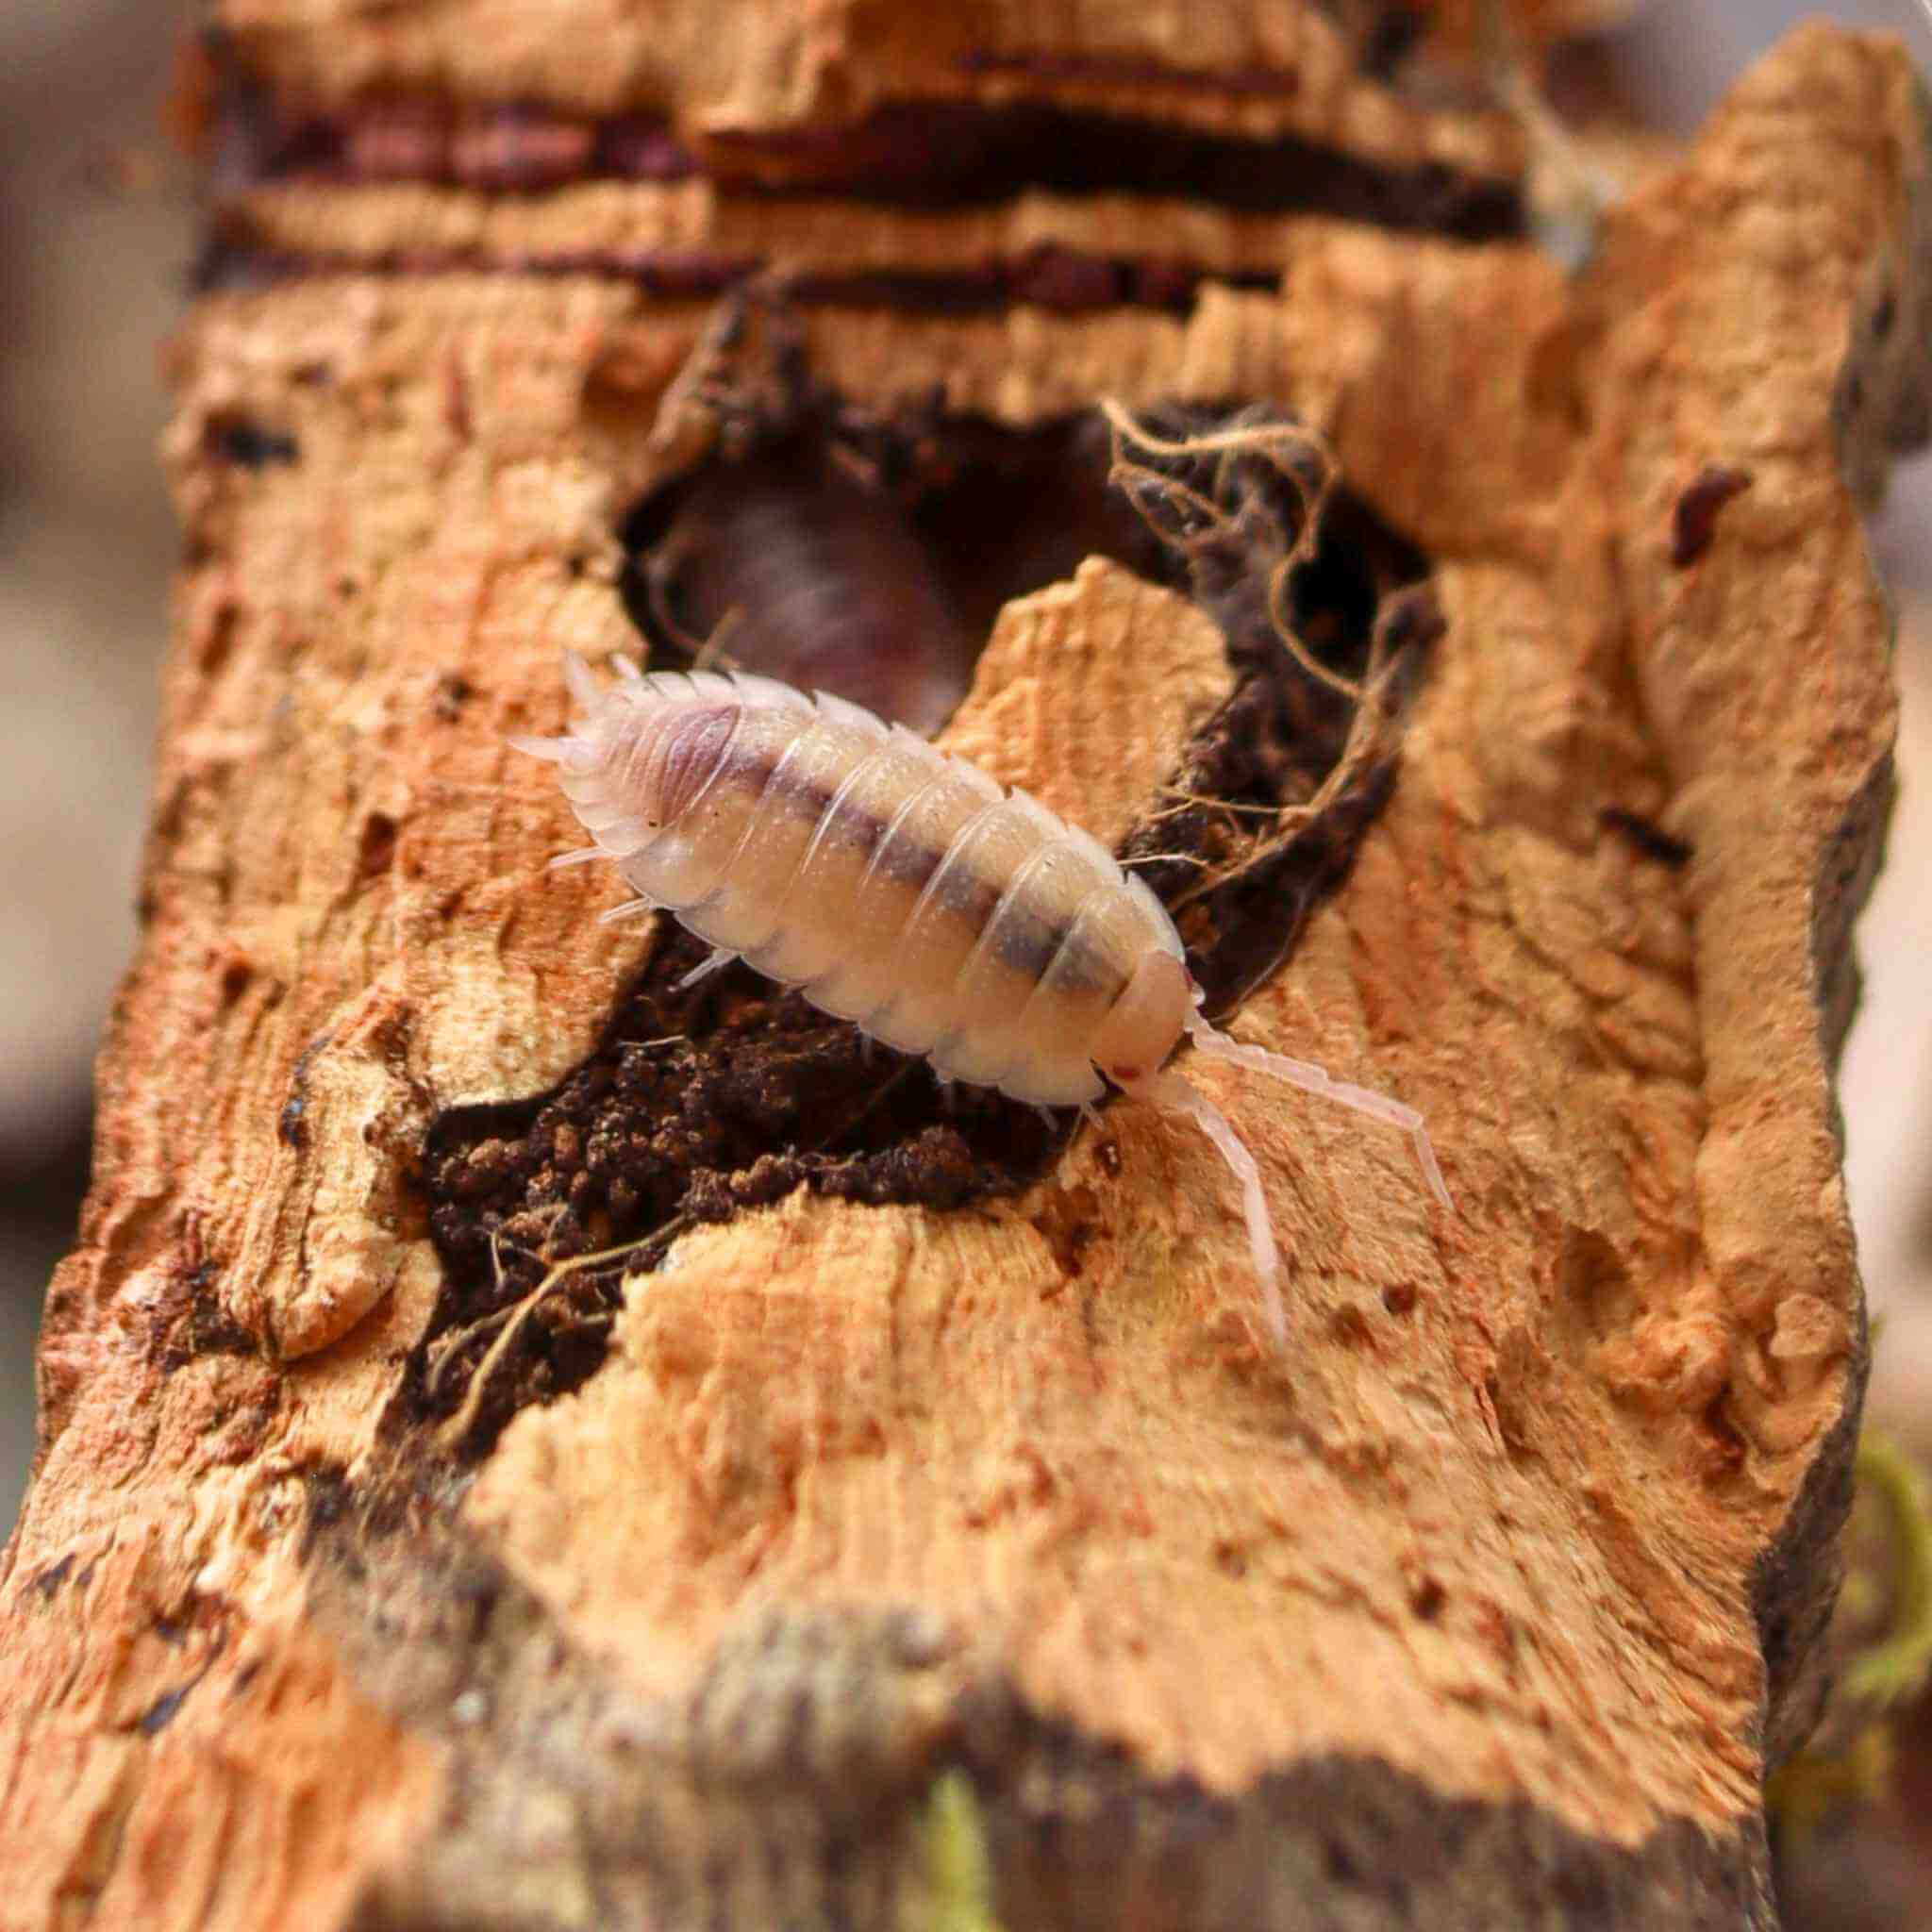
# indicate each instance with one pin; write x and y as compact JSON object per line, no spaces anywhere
{"x":1888,"y":1672}
{"x":1898,"y":1667}
{"x":1814,"y":1784}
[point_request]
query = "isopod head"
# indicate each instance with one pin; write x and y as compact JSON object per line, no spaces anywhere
{"x":1144,"y":1024}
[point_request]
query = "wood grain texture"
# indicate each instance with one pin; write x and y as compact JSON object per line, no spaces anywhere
{"x":753,"y":67}
{"x":1488,"y":1604}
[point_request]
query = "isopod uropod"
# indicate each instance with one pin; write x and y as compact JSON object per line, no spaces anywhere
{"x":903,"y":889}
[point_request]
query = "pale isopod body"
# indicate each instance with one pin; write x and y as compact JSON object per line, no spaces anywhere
{"x":904,"y":890}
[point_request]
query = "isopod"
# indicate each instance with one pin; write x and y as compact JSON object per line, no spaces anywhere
{"x":902,"y":889}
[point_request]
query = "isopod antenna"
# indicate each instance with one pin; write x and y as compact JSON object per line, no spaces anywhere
{"x":1171,"y":1089}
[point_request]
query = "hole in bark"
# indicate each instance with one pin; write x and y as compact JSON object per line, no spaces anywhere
{"x":1387,"y":38}
{"x":1230,"y":1559}
{"x":1724,"y":1448}
{"x":378,"y":851}
{"x":868,"y":560}
{"x":1646,"y":836}
{"x":453,"y":691}
{"x":1694,"y":518}
{"x":247,"y":444}
{"x":1338,"y":1862}
{"x":700,"y":1101}
{"x":49,"y":1580}
{"x":161,"y":1713}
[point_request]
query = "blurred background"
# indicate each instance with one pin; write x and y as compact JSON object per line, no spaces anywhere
{"x":92,"y":276}
{"x":96,"y":233}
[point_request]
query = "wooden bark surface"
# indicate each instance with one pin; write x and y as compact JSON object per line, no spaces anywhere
{"x":1488,"y":1603}
{"x":757,"y":67}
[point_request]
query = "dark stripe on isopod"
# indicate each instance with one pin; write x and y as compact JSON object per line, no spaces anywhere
{"x":1025,"y":942}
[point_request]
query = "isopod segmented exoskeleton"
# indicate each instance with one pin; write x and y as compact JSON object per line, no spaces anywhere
{"x":904,"y":890}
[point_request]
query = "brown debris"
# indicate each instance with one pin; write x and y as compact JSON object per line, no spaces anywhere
{"x":1491,"y":1599}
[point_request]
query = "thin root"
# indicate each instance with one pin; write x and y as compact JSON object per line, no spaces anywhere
{"x":1349,"y":688}
{"x":1165,"y":859}
{"x":453,"y":1432}
{"x":1313,"y":476}
{"x":1185,"y":800}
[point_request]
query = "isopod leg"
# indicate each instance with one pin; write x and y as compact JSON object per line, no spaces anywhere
{"x":720,"y":958}
{"x":582,"y":681}
{"x":631,"y":909}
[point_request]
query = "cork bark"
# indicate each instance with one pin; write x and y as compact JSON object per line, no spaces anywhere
{"x":854,"y":1556}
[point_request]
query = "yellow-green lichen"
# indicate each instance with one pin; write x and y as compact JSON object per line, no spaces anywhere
{"x":1899,"y":1666}
{"x":1885,"y":1673}
{"x":958,"y":1870}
